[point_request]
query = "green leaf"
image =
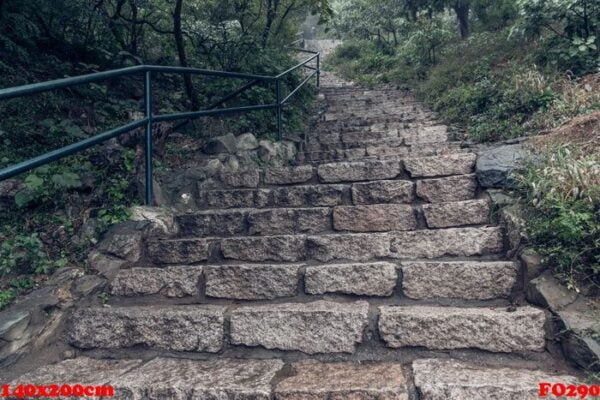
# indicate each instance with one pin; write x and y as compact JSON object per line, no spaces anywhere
{"x":67,"y":180}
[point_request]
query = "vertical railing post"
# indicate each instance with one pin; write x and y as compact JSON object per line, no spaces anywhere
{"x":148,"y":138}
{"x":279,"y":107}
{"x":318,"y":70}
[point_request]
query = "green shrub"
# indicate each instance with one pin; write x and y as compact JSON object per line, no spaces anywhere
{"x":25,"y":254}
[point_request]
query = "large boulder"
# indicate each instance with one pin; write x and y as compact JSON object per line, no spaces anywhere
{"x":221,"y":144}
{"x":581,"y":337}
{"x":246,"y":142}
{"x":496,"y":164}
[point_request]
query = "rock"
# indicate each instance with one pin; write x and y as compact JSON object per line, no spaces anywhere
{"x":511,"y":218}
{"x":317,"y":327}
{"x":308,"y":196}
{"x":13,"y":324}
{"x":358,"y":171}
{"x":235,"y":198}
{"x":532,"y":263}
{"x":161,"y":220}
{"x":580,"y":338}
{"x":457,"y":380}
{"x":354,"y":247}
{"x":442,"y":328}
{"x":214,"y":167}
{"x":270,"y":248}
{"x":221,"y":144}
{"x":452,"y":188}
{"x":178,"y":251}
{"x":461,"y":242}
{"x":453,"y":164}
{"x":171,"y":281}
{"x":177,"y":328}
{"x":495,"y":165}
{"x":286,"y":151}
{"x":546,"y":291}
{"x":374,"y":218}
{"x":123,"y":241}
{"x":246,"y":142}
{"x":288,"y":175}
{"x":249,"y":178}
{"x":345,"y":380}
{"x":252,"y":282}
{"x":276,"y":221}
{"x":457,"y":213}
{"x":469,"y":280}
{"x":500,"y":198}
{"x":266,"y":150}
{"x":104,"y":264}
{"x":378,"y":192}
{"x":374,"y":279}
{"x":88,"y":284}
{"x":212,"y":223}
{"x":8,"y":190}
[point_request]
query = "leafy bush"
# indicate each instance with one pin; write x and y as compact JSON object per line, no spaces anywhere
{"x":25,"y":254}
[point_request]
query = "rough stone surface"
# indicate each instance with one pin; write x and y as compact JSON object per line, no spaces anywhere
{"x":171,"y":281}
{"x":317,"y":327}
{"x":323,"y":381}
{"x":445,"y":242}
{"x":377,"y":192}
{"x":456,"y":380}
{"x":374,"y":218}
{"x":106,"y":265}
{"x":288,"y":175}
{"x":160,"y":219}
{"x":221,"y":144}
{"x":251,"y":282}
{"x":532,"y":263}
{"x":212,"y":223}
{"x":308,"y":195}
{"x":354,"y":247}
{"x":268,"y":248}
{"x":452,"y":188}
{"x":235,"y":198}
{"x":289,"y":220}
{"x":492,"y":329}
{"x":580,"y":339}
{"x":375,"y":279}
{"x":180,"y":328}
{"x":495,"y":165}
{"x":123,"y":241}
{"x":241,"y":179}
{"x":546,"y":291}
{"x":453,"y":164}
{"x":178,"y":251}
{"x":458,"y":213}
{"x":358,"y":171}
{"x":13,"y":324}
{"x":470,"y":280}
{"x":246,"y":142}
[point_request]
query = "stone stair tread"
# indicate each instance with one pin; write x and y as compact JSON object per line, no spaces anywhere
{"x":457,"y":213}
{"x":458,"y":380}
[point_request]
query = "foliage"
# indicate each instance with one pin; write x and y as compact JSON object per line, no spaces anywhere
{"x":26,"y":254}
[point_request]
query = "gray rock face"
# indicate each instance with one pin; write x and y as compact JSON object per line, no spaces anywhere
{"x":384,"y":151}
{"x":178,"y":328}
{"x":460,"y":280}
{"x":547,"y":291}
{"x":161,"y":219}
{"x":246,"y":142}
{"x":269,"y":248}
{"x":445,"y":242}
{"x":581,"y":338}
{"x":105,"y":264}
{"x":288,"y":175}
{"x":221,"y":144}
{"x":366,"y":381}
{"x":374,"y":218}
{"x":456,"y":380}
{"x":123,"y":241}
{"x":241,"y":179}
{"x":378,"y":192}
{"x":358,"y":171}
{"x":452,"y":188}
{"x":354,"y":247}
{"x":178,"y":251}
{"x":212,"y":223}
{"x":458,"y":213}
{"x":170,"y":281}
{"x":495,"y":165}
{"x":308,"y":196}
{"x":453,"y":164}
{"x":440,"y":328}
{"x":14,"y":324}
{"x":374,"y":279}
{"x":251,"y":282}
{"x":289,"y":220}
{"x":532,"y":263}
{"x":235,"y":198}
{"x":317,"y":327}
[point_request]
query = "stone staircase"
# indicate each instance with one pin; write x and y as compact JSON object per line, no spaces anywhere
{"x":371,"y":271}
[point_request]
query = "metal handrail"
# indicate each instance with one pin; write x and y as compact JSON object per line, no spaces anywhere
{"x":149,"y":116}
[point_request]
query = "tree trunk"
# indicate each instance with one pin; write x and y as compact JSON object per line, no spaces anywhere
{"x":180,"y":43}
{"x":461,"y":8}
{"x":270,"y":18}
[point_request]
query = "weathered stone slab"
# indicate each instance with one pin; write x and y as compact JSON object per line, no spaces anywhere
{"x":354,"y":247}
{"x":445,"y":242}
{"x":241,"y":179}
{"x":452,"y":188}
{"x":452,"y":164}
{"x":386,"y":151}
{"x":212,"y":223}
{"x":457,"y":213}
{"x":251,"y":282}
{"x":235,"y":198}
{"x":461,"y":279}
{"x":546,"y":291}
{"x":358,"y":171}
{"x":178,"y":328}
{"x":496,"y":164}
{"x":580,"y":337}
{"x":378,"y":192}
{"x":492,"y":329}
{"x":364,"y":381}
{"x":289,"y":220}
{"x":457,"y":380}
{"x":308,"y":195}
{"x":317,"y":327}
{"x":374,"y":279}
{"x":288,"y":175}
{"x":171,"y":281}
{"x":178,"y":251}
{"x":268,"y":248}
{"x":374,"y":218}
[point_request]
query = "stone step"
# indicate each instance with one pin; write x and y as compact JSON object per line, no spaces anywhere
{"x":442,"y":328}
{"x":447,"y":189}
{"x":354,"y":171}
{"x":457,"y":213}
{"x":375,"y":218}
{"x":384,"y":152}
{"x":443,"y":165}
{"x":458,"y":380}
{"x":177,"y":328}
{"x":316,"y":327}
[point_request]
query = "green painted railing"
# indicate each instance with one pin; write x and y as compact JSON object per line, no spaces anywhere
{"x":149,"y":117}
